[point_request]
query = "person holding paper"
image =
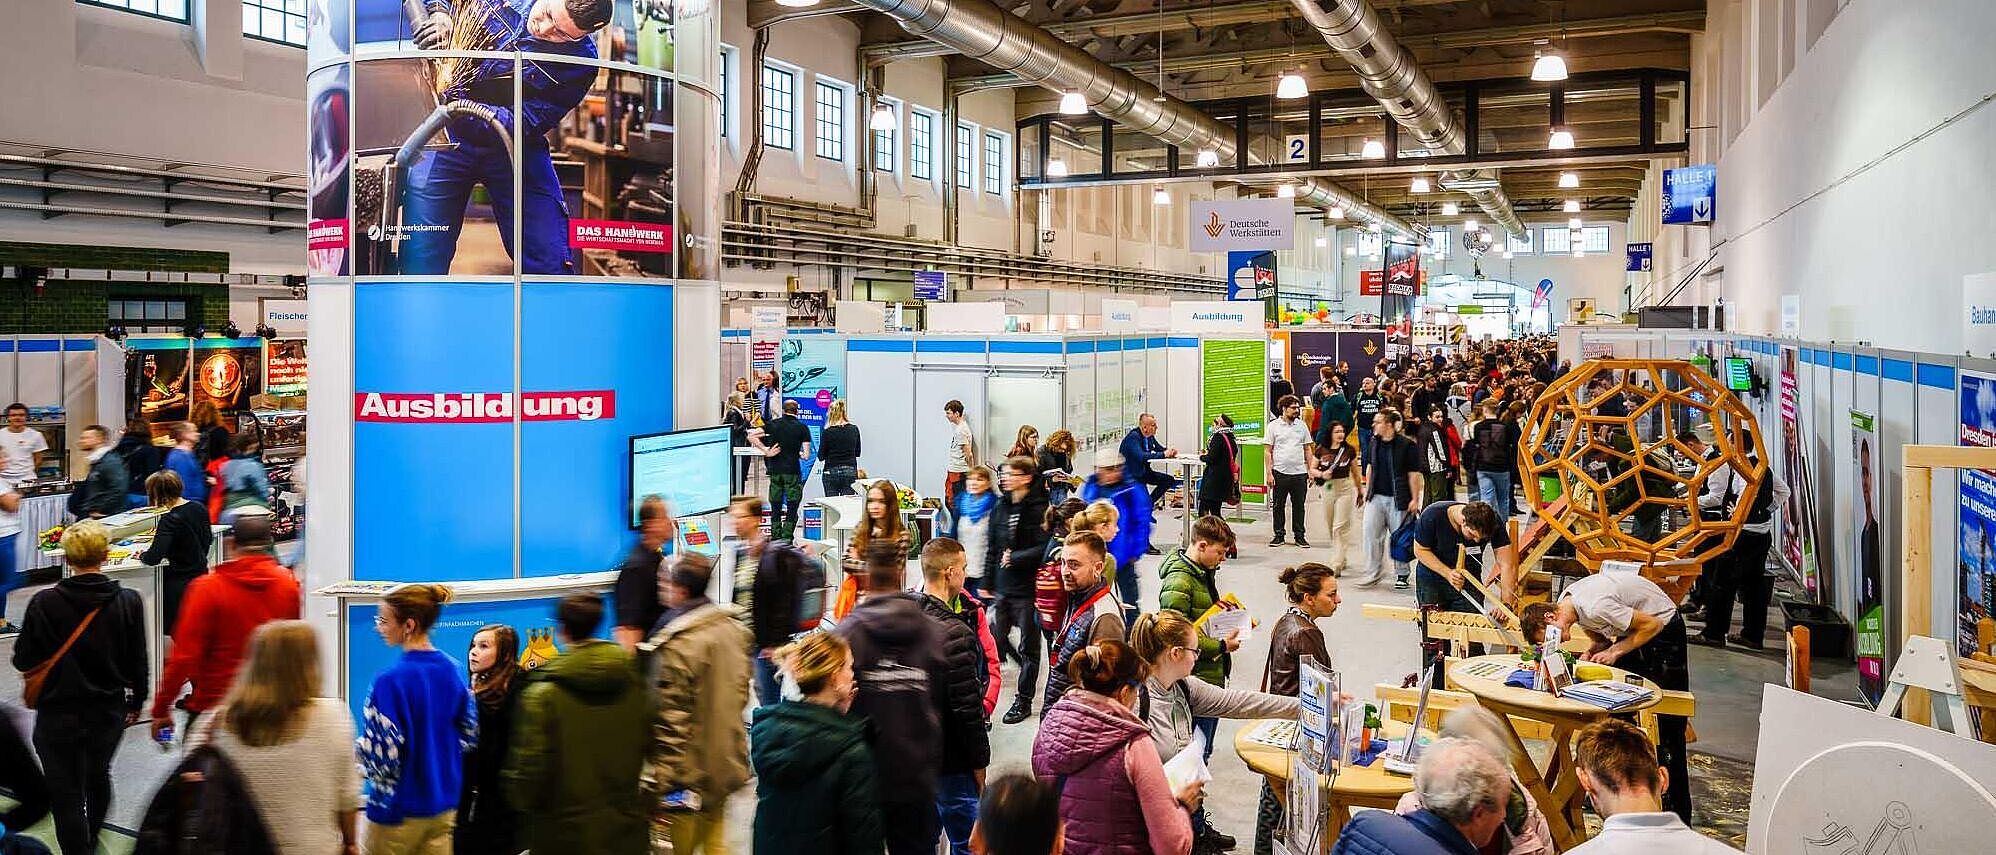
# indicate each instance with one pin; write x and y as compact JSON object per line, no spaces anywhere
{"x":1636,"y":626}
{"x":1190,"y":587}
{"x":1313,"y":595}
{"x":1169,"y":703}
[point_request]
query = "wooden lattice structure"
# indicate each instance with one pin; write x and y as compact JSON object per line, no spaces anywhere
{"x":1612,"y":467}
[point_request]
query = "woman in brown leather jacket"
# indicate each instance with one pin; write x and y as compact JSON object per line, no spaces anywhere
{"x":1313,"y":594}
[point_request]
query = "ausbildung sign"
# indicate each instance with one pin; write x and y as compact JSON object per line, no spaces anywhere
{"x":1242,"y":224}
{"x":1690,"y":195}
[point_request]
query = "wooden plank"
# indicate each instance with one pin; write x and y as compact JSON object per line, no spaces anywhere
{"x":1949,"y":457}
{"x":1915,"y":615}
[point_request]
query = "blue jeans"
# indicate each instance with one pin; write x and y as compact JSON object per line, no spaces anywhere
{"x":956,"y":809}
{"x":440,"y":186}
{"x":10,"y":571}
{"x":1494,"y":489}
{"x":768,"y":686}
{"x":838,"y":479}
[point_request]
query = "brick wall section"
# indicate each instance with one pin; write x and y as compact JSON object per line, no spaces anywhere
{"x":80,"y":307}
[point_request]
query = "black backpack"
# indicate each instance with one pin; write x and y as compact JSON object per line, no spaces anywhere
{"x":1491,"y":452}
{"x":203,"y":807}
{"x":1762,"y":508}
{"x":807,"y":579}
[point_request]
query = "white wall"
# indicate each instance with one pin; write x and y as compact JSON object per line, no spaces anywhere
{"x":1817,"y":198}
{"x":87,"y":77}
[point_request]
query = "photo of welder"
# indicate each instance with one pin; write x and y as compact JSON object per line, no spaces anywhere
{"x":156,"y":381}
{"x":329,"y":163}
{"x":437,"y":142}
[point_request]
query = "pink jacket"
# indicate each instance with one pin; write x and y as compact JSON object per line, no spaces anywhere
{"x":992,"y":682}
{"x":1114,"y":798}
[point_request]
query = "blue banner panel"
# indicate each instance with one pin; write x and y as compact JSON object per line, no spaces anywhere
{"x":368,"y":655}
{"x":433,"y":433}
{"x":580,"y":337}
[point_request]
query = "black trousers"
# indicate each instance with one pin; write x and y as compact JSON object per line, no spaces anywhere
{"x":1743,"y":576}
{"x":1209,"y":507}
{"x":76,"y":747}
{"x":1290,"y":490}
{"x":1159,"y":482}
{"x":1008,"y":614}
{"x":912,"y":827}
{"x":1663,"y":662}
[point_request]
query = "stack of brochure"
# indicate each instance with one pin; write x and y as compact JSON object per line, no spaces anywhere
{"x":1607,"y":694}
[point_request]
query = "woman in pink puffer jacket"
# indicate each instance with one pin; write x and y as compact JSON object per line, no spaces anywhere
{"x":1114,"y":799}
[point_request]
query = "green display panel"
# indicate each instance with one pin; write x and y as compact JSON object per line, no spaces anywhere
{"x":1254,"y":474}
{"x":1232,"y":376}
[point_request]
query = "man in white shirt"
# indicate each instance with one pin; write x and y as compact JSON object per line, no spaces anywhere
{"x":1741,"y":573}
{"x":1636,"y":626}
{"x":1289,"y":455}
{"x":1619,"y":773}
{"x":21,"y":447}
{"x":962,"y":453}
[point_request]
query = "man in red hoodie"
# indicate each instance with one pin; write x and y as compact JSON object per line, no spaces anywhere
{"x":217,"y":615}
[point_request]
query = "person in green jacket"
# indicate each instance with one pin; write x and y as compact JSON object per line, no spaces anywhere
{"x":579,"y":743}
{"x":1189,"y":588}
{"x":815,"y":787}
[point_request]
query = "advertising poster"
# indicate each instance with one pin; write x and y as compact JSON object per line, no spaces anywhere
{"x":1233,"y":384}
{"x":1251,"y":276}
{"x":1978,"y":512}
{"x":1309,"y":352}
{"x":329,"y":163}
{"x":284,"y":367}
{"x":368,"y":656}
{"x":1402,"y":270}
{"x":227,"y":372}
{"x":1360,"y":351}
{"x":1796,"y":539}
{"x":156,"y":381}
{"x":1870,"y":581}
{"x":814,"y":375}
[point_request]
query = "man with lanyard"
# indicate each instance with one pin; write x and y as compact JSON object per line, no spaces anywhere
{"x":1634,"y":625}
{"x":1365,"y":405}
{"x":440,"y":183}
{"x":1393,"y":485}
{"x":1444,"y":530}
{"x":1092,"y":613}
{"x":1289,"y":458}
{"x":1743,"y":573}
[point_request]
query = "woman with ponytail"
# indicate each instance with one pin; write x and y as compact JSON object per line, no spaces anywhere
{"x":418,"y":723}
{"x":1114,"y":798}
{"x":815,"y":779}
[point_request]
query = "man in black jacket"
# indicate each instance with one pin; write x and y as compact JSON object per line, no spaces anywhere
{"x":103,"y":490}
{"x":1018,"y":547}
{"x":904,"y":688}
{"x":759,"y":575}
{"x":966,"y":751}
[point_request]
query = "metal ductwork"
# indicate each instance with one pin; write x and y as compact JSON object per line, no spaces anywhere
{"x":1388,"y":73}
{"x":982,"y":31}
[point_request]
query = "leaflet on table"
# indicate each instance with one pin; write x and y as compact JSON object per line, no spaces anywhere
{"x":1316,"y":690}
{"x":1188,"y":765}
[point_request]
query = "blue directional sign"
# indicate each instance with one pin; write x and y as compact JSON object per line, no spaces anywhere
{"x":1690,"y":195}
{"x":931,"y":286}
{"x":1639,"y":256}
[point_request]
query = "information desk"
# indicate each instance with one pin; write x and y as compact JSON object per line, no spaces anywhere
{"x":1557,"y":785}
{"x":526,"y":605}
{"x":1356,"y":786}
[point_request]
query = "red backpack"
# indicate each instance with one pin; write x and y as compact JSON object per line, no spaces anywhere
{"x":1049,"y":592}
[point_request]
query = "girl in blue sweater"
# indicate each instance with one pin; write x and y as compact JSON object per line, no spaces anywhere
{"x":418,"y":723}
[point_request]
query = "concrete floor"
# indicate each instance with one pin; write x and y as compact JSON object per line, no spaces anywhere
{"x":1727,"y":682}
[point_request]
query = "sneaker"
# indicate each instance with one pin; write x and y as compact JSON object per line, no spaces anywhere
{"x":1703,"y":640}
{"x":1018,"y":713}
{"x":1277,"y":541}
{"x":1153,"y":550}
{"x":1400,"y":583}
{"x":1743,"y":641}
{"x":1302,"y":543}
{"x":1213,"y":841}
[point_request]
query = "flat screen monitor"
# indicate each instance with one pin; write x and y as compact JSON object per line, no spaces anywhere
{"x":691,"y":469}
{"x":1739,"y":374}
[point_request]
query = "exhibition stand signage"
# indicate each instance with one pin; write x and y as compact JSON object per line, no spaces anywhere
{"x":1690,"y":195}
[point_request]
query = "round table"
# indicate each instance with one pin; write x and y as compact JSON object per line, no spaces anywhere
{"x":1356,"y":786}
{"x":1184,"y":466}
{"x":1557,"y":786}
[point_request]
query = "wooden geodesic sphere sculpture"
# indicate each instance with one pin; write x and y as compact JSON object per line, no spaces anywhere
{"x":1607,"y":433}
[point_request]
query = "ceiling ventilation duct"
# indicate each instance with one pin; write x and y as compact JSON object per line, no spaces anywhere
{"x":1389,"y":75}
{"x":982,"y":31}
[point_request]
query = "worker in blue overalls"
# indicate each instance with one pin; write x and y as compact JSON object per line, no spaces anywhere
{"x":440,"y":183}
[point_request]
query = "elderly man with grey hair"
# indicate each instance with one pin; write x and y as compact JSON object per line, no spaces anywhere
{"x":1464,"y":789}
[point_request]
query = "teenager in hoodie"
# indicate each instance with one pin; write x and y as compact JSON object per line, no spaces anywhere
{"x":905,"y":688}
{"x":1018,"y":548}
{"x":944,"y":601}
{"x":816,"y":786}
{"x":219,"y":613}
{"x":579,"y":743}
{"x":1114,"y":798}
{"x":141,"y":457}
{"x":94,"y":691}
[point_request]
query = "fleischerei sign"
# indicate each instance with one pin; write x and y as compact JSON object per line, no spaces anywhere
{"x":482,"y":407}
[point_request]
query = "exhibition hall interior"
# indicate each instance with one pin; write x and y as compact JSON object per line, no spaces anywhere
{"x":1010,"y":427}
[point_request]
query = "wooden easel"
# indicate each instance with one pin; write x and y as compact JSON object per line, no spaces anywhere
{"x":1978,"y":678}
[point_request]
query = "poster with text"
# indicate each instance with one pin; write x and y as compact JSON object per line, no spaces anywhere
{"x":284,"y":367}
{"x":1796,"y":543}
{"x":156,"y":381}
{"x":814,"y":375}
{"x":623,"y":223}
{"x":329,"y":168}
{"x":1870,"y":581}
{"x":1359,"y":351}
{"x":1977,"y":599}
{"x":1232,"y":379}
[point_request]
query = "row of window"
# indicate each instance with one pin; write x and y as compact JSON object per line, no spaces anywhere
{"x":832,"y":100}
{"x":281,"y":21}
{"x":1558,"y":240}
